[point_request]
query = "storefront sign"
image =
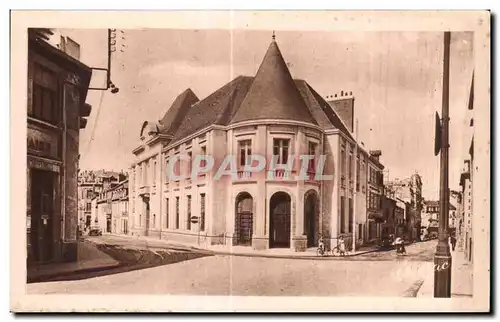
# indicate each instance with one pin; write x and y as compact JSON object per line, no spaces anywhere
{"x":43,"y":143}
{"x":35,"y":163}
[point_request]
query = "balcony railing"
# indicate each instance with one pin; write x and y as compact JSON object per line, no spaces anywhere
{"x":311,"y":174}
{"x":244,"y":175}
{"x":144,"y":190}
{"x":279,"y":174}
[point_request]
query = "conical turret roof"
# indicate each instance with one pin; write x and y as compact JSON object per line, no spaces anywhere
{"x":273,"y":93}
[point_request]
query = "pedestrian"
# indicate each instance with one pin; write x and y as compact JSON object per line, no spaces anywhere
{"x":321,"y":244}
{"x":341,"y":246}
{"x":453,"y":241}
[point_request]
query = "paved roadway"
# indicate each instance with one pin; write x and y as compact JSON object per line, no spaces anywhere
{"x":375,"y":274}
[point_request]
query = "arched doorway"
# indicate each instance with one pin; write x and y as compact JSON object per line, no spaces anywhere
{"x":279,"y":228}
{"x":243,"y":226}
{"x":311,"y":218}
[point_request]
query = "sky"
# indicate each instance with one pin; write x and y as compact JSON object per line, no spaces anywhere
{"x":396,"y":78}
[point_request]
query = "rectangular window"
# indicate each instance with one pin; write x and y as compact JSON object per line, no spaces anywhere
{"x":188,"y":212}
{"x":281,"y":150}
{"x":167,"y":212}
{"x":154,"y":171}
{"x":203,"y":152}
{"x":202,"y":212}
{"x":342,"y":162}
{"x":176,"y":212}
{"x":351,"y":168}
{"x":166,"y":171}
{"x":90,"y":194}
{"x":342,"y":215}
{"x":312,"y":151}
{"x":44,"y":97}
{"x":88,"y":206}
{"x":189,"y":163}
{"x":351,"y":215}
{"x":139,"y":175}
{"x":357,"y":174}
{"x":245,"y":151}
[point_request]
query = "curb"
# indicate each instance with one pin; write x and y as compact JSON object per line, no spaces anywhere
{"x":299,"y":257}
{"x":263,"y":255}
{"x":49,"y":276}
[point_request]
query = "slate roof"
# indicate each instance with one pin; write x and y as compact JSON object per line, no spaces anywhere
{"x":332,"y":116}
{"x":177,"y":111}
{"x":273,"y":94}
{"x":217,"y":108}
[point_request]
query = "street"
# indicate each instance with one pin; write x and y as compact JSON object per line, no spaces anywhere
{"x":373,"y":274}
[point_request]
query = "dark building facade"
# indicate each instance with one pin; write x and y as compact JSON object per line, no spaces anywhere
{"x":57,"y":89}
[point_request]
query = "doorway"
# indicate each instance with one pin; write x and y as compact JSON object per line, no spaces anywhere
{"x":311,"y":218}
{"x":279,"y":228}
{"x":244,"y":220}
{"x":42,"y":214}
{"x":108,"y":223}
{"x":125,"y":226}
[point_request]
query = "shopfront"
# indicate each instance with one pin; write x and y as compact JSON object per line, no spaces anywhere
{"x":57,"y":87}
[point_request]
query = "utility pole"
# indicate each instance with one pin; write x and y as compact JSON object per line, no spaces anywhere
{"x":442,"y":258}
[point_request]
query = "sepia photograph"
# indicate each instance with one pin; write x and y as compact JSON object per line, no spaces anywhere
{"x":242,"y":157}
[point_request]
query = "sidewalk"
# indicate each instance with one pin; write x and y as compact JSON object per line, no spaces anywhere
{"x":152,"y":243}
{"x":461,"y":278}
{"x":89,"y":259}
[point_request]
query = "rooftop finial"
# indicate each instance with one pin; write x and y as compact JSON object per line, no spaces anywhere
{"x":274,"y":36}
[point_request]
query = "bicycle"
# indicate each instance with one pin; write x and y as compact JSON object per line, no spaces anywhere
{"x":321,"y":251}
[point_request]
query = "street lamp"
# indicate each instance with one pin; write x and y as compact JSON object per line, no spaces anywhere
{"x":111,"y":49}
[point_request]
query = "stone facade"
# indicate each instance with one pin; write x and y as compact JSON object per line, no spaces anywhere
{"x":263,"y":209}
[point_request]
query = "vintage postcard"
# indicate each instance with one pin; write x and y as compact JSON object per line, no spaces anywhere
{"x":330,"y":161}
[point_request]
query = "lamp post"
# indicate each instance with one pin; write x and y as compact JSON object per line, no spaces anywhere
{"x":442,"y":258}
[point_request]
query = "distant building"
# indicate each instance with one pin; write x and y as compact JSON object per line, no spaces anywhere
{"x":270,"y":114}
{"x":375,"y":193}
{"x":465,"y":240}
{"x":57,"y":87}
{"x":389,"y":212}
{"x":111,"y":212}
{"x":90,"y":185}
{"x":400,"y":215}
{"x":430,"y":216}
{"x":455,"y":201}
{"x":409,"y":190}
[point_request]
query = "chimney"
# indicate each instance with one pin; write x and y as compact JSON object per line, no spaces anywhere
{"x":375,"y":154}
{"x":343,"y":106}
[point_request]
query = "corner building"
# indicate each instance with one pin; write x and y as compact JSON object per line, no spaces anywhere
{"x":57,"y":84}
{"x":270,"y":114}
